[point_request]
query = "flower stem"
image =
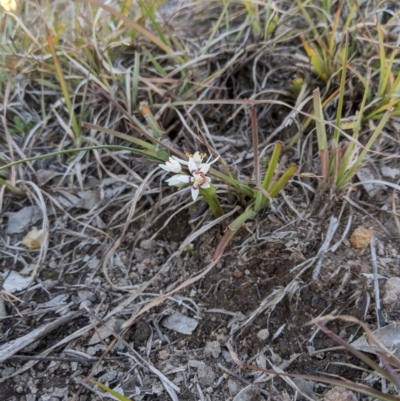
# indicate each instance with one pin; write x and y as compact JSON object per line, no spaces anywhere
{"x":210,"y":196}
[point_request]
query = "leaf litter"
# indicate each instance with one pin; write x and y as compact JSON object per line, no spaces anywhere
{"x":97,"y":273}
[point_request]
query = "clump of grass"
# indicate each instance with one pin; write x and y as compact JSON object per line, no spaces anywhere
{"x":339,"y":165}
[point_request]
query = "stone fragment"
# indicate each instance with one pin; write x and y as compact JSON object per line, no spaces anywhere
{"x":361,"y":237}
{"x":339,"y":394}
{"x":164,"y":355}
{"x":213,"y":348}
{"x":233,"y":387}
{"x":206,"y":375}
{"x":194,"y":363}
{"x":392,"y":291}
{"x":263,"y":334}
{"x":180,"y":323}
{"x":109,"y":376}
{"x":227,"y":356}
{"x":237,"y":273}
{"x":148,"y":244}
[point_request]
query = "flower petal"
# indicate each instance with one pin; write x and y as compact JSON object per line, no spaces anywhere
{"x":205,"y":185}
{"x":204,"y":168}
{"x":208,"y":161}
{"x":164,"y":167}
{"x":192,"y":165}
{"x":197,"y":159}
{"x":195,"y":193}
{"x":174,"y":165}
{"x":178,"y":179}
{"x":183,"y":162}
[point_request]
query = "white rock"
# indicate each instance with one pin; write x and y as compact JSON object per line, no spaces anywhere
{"x":263,"y":334}
{"x":180,"y":323}
{"x":148,"y":244}
{"x":213,"y":348}
{"x":392,"y":290}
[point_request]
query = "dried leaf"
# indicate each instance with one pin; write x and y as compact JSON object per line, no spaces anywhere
{"x":19,"y":221}
{"x":33,"y":239}
{"x":389,"y":336}
{"x":14,"y":281}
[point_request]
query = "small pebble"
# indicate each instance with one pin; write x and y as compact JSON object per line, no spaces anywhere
{"x":339,"y":394}
{"x":392,"y":291}
{"x":194,"y":363}
{"x":361,"y":237}
{"x":163,"y":354}
{"x":233,"y":387}
{"x":227,"y":356}
{"x":206,"y":375}
{"x":148,"y":244}
{"x":237,"y":273}
{"x":263,"y":334}
{"x":213,"y":348}
{"x":276,"y":359}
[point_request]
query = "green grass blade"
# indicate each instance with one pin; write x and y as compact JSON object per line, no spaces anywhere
{"x":215,"y":28}
{"x":272,"y":165}
{"x":321,"y":134}
{"x":383,"y":72}
{"x":283,"y":180}
{"x":143,"y":31}
{"x":210,"y":196}
{"x":64,"y":88}
{"x":135,"y":80}
{"x":115,"y":394}
{"x":350,"y":148}
{"x":120,"y":135}
{"x":319,"y":122}
{"x":156,"y":64}
{"x":326,"y":6}
{"x":341,"y":91}
{"x":156,"y":158}
{"x":151,"y":121}
{"x":378,"y":130}
{"x":156,"y":25}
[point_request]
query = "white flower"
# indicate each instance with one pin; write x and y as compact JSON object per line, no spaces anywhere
{"x":8,"y":5}
{"x":171,"y":165}
{"x":197,"y":169}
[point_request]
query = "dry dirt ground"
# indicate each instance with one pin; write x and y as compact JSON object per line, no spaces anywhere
{"x":252,"y":298}
{"x":117,"y":238}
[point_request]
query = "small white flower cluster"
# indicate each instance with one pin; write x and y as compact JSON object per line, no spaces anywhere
{"x":197,"y":169}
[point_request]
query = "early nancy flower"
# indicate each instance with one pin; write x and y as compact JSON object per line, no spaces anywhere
{"x":197,"y":169}
{"x":171,"y":165}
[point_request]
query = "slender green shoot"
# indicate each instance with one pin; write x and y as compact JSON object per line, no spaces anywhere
{"x":64,"y":88}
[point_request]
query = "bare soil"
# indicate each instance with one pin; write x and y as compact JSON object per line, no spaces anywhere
{"x":224,"y":304}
